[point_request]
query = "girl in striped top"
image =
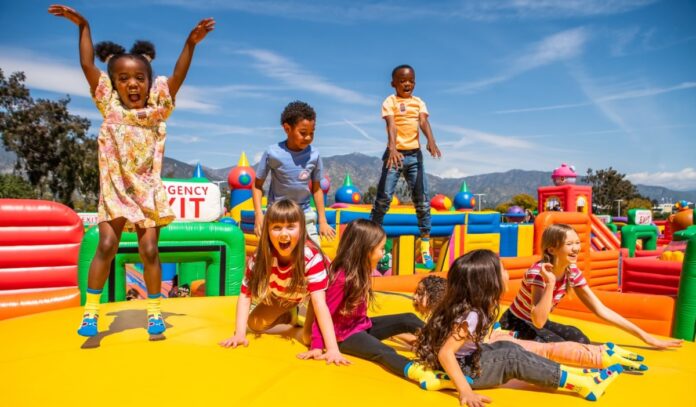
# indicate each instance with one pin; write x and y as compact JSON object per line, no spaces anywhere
{"x":286,"y":268}
{"x":548,"y":281}
{"x":453,"y":339}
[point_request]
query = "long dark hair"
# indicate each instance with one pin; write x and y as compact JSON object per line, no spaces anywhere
{"x":282,"y":211}
{"x":474,"y":284}
{"x":359,"y":239}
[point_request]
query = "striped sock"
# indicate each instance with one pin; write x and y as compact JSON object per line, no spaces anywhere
{"x":590,"y":388}
{"x":92,"y":303}
{"x":155,"y":323}
{"x":153,"y":305}
{"x":88,"y":327}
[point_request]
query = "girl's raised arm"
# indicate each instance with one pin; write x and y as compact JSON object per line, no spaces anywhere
{"x":86,"y":48}
{"x":595,"y":305}
{"x":182,"y":65}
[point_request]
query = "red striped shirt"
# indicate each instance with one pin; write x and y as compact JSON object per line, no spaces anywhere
{"x":522,"y":305}
{"x":316,"y":277}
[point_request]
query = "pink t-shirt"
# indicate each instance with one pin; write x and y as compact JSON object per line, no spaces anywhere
{"x":344,"y":325}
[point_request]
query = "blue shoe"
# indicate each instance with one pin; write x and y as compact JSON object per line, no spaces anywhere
{"x":155,"y":325}
{"x":428,"y":261}
{"x":89,"y":326}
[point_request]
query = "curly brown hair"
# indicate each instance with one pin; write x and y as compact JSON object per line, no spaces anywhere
{"x":474,"y":284}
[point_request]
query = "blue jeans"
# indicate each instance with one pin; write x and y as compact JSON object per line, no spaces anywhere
{"x":412,"y":169}
{"x":503,"y":361}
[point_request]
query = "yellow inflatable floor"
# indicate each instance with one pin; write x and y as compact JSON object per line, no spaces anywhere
{"x":44,"y":362}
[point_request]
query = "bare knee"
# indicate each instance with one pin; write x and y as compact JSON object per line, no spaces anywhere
{"x":149,"y":253}
{"x":107,"y":247}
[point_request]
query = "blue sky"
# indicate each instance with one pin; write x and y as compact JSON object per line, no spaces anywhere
{"x":509,"y":84}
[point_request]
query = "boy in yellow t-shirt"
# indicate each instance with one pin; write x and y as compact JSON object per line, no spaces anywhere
{"x":405,"y":114}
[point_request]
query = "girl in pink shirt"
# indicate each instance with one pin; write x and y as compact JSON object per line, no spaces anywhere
{"x":350,"y":290}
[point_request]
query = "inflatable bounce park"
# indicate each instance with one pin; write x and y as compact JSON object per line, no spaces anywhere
{"x":643,"y":269}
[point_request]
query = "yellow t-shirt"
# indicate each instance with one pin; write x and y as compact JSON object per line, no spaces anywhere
{"x":406,"y":112}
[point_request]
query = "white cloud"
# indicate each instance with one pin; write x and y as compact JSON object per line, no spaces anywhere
{"x":453,"y":173}
{"x":45,"y":73}
{"x":684,"y":179}
{"x":470,"y":136}
{"x":361,"y":131}
{"x":185,"y":139}
{"x":558,"y":47}
{"x":54,"y":75}
{"x":621,"y":40}
{"x":338,"y":11}
{"x":538,"y":9}
{"x":213,"y":129}
{"x":632,"y":94}
{"x":291,"y":74}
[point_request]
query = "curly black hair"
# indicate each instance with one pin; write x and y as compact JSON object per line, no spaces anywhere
{"x":403,"y":66}
{"x":109,"y":52}
{"x":297,"y":111}
{"x":434,"y":287}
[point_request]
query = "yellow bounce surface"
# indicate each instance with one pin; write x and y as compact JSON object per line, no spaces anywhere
{"x":44,"y":362}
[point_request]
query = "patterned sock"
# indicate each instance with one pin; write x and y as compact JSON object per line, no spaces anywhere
{"x":610,"y":357}
{"x":425,"y":253}
{"x":585,"y":372}
{"x":91,"y":315}
{"x":429,"y":379}
{"x":591,"y":388}
{"x":624,"y":353}
{"x":155,"y":324}
{"x":438,"y":380}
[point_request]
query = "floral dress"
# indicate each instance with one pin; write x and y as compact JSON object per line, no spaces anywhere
{"x":131,"y":149}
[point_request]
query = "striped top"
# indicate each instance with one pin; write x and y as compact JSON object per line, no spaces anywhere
{"x":522,"y":305}
{"x":316,"y":277}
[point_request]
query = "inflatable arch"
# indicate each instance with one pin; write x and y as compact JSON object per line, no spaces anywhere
{"x":219,"y":245}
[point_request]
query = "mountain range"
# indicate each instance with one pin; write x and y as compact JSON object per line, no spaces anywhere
{"x":364,"y":172}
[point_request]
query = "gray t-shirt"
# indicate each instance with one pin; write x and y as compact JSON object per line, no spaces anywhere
{"x":290,"y":172}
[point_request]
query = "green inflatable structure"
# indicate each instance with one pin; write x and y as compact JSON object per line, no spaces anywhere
{"x":637,"y":229}
{"x":685,"y":312}
{"x":219,"y":245}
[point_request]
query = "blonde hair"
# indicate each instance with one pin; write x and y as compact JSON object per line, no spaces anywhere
{"x":282,"y":211}
{"x":553,"y":238}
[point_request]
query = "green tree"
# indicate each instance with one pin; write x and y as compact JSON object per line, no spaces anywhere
{"x":13,"y":186}
{"x":609,"y":186}
{"x":638,"y":203}
{"x":524,"y":201}
{"x":53,"y":150}
{"x":370,"y":195}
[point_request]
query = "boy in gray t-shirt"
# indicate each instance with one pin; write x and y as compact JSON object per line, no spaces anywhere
{"x":292,"y":164}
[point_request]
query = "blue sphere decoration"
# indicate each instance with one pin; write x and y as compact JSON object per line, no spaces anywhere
{"x":348,"y":195}
{"x":464,"y":200}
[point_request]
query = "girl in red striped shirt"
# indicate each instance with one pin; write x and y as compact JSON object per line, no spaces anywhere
{"x":548,"y":281}
{"x":286,"y":268}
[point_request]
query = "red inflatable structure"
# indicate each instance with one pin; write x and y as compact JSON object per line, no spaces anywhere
{"x":39,"y":245}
